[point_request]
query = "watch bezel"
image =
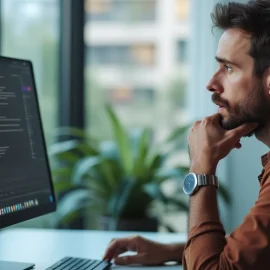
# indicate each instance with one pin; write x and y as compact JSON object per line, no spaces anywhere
{"x":195,"y":184}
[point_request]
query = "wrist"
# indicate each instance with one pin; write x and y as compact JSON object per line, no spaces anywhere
{"x":175,"y":252}
{"x":203,"y":168}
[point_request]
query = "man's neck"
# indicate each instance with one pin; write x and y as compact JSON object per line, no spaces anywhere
{"x":263,"y":135}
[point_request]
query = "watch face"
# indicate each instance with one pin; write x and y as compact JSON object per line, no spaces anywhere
{"x":190,"y":183}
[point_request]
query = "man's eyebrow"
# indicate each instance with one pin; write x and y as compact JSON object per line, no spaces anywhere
{"x":226,"y":61}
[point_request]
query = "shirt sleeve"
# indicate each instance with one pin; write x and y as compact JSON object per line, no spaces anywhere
{"x":248,"y":247}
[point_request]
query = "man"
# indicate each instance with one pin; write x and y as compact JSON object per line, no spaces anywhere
{"x":241,"y":89}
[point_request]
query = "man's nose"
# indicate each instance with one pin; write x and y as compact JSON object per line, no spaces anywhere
{"x":214,"y":86}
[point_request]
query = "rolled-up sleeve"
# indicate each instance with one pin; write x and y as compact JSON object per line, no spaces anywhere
{"x":248,"y":247}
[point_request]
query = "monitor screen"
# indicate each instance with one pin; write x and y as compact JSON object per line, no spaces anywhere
{"x":26,"y":189}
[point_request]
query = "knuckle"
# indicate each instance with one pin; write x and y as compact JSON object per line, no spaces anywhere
{"x":230,"y":134}
{"x":207,"y":120}
{"x":137,"y":238}
{"x":194,"y":126}
{"x":112,"y":240}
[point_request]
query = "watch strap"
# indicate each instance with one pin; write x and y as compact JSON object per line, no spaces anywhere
{"x":207,"y":179}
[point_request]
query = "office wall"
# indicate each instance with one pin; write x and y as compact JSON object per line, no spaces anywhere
{"x":240,"y":169}
{"x":244,"y":166}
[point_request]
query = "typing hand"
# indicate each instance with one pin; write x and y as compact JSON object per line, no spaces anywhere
{"x":147,"y":252}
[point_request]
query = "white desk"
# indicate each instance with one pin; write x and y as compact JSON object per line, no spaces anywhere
{"x":45,"y":247}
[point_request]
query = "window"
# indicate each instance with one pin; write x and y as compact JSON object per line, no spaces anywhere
{"x":182,"y":51}
{"x":30,"y":31}
{"x":125,"y":95}
{"x":140,"y":77}
{"x":121,"y":10}
{"x":182,"y":9}
{"x":137,"y":54}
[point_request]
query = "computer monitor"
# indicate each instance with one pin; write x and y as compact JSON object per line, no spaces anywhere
{"x":26,"y":189}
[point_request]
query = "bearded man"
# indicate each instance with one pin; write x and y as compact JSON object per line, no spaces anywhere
{"x":241,"y":89}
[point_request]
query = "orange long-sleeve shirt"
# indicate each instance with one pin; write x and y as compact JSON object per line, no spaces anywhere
{"x":248,"y":247}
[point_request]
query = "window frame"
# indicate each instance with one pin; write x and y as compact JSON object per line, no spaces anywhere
{"x":71,"y":64}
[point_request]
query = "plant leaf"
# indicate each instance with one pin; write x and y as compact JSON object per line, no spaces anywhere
{"x":62,"y":147}
{"x":73,"y":131}
{"x":99,"y":189}
{"x":120,"y":197}
{"x":107,"y":170}
{"x":169,"y":228}
{"x":109,"y":150}
{"x":63,"y":152}
{"x":82,"y":168}
{"x":181,"y":205}
{"x":63,"y":186}
{"x":154,"y":191}
{"x":73,"y":201}
{"x":183,"y":169}
{"x":155,"y":162}
{"x":59,"y":173}
{"x":179,"y":134}
{"x":67,"y":157}
{"x":122,"y":141}
{"x":87,"y":149}
{"x":140,"y":168}
{"x":167,"y":173}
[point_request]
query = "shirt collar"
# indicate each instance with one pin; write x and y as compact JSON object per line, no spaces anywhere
{"x":265,"y":159}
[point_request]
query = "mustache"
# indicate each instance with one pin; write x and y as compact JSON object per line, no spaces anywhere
{"x":216,"y":99}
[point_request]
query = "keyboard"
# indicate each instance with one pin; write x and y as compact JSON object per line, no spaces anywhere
{"x":72,"y":263}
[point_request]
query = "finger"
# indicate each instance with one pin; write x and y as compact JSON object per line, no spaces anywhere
{"x":112,"y":240}
{"x":118,"y":247}
{"x":115,"y":248}
{"x":110,"y":243}
{"x":238,"y":145}
{"x":131,"y":259}
{"x":215,"y":118}
{"x":242,"y":130}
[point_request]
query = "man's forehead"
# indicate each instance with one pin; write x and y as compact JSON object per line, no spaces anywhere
{"x":234,"y":43}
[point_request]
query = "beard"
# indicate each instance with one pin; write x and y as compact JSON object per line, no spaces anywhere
{"x":254,"y":109}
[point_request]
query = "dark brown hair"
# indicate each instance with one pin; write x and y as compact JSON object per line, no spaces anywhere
{"x":253,"y":18}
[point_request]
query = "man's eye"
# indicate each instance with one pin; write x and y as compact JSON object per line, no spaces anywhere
{"x":228,"y":68}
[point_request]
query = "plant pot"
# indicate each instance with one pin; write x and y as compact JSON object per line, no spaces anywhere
{"x":129,"y":224}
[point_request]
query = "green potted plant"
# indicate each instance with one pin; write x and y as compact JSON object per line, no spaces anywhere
{"x":119,"y":180}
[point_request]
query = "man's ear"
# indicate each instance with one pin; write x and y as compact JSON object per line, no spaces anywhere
{"x":267,"y":80}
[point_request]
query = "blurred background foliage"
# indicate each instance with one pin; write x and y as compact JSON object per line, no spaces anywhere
{"x":121,"y":178}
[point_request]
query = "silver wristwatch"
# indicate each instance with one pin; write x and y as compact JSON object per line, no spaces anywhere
{"x":193,"y":181}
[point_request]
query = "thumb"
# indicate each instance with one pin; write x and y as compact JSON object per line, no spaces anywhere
{"x":132,"y":259}
{"x":243,"y":130}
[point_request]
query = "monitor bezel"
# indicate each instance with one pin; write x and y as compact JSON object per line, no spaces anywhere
{"x":42,"y":209}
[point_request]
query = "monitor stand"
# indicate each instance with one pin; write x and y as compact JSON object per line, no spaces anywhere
{"x":15,"y":266}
